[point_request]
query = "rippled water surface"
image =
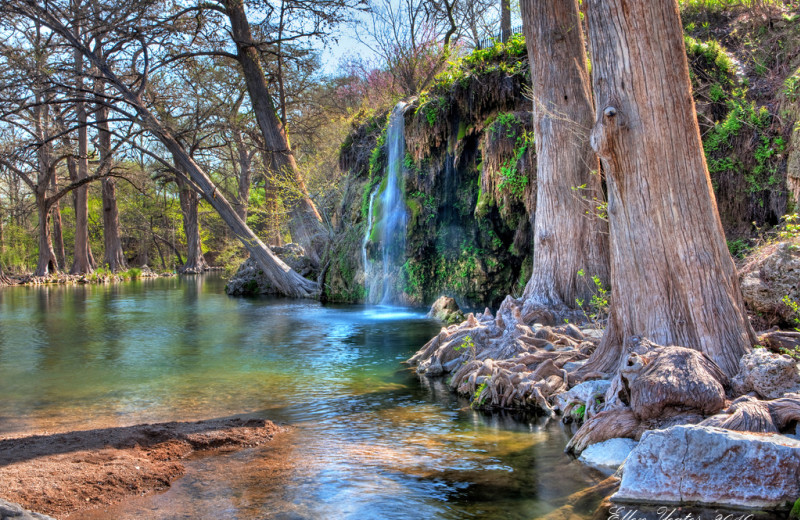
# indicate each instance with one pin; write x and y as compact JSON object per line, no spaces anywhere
{"x":370,"y":440}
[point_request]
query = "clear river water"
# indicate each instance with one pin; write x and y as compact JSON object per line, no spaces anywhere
{"x":368,"y":438}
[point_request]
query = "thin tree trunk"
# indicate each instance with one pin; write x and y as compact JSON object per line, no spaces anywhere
{"x":195,"y":262}
{"x":81,"y":263}
{"x":4,"y":280}
{"x":304,"y":220}
{"x":673,"y":280}
{"x":505,"y":20}
{"x":58,"y":235}
{"x":570,"y":238}
{"x":47,"y":263}
{"x":245,"y":176}
{"x":114,"y":256}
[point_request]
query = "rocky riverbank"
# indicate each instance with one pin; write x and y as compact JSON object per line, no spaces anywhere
{"x":59,"y":474}
{"x":668,"y":395}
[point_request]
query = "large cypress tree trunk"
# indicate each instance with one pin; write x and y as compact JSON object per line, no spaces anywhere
{"x":304,"y":220}
{"x":195,"y":262}
{"x":114,"y":256}
{"x":81,"y":263}
{"x":569,"y":236}
{"x":673,"y":279}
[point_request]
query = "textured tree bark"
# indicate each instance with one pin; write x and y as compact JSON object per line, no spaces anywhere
{"x":505,"y":19}
{"x":58,"y":235}
{"x":569,"y":236}
{"x":195,"y":262}
{"x":4,"y":280}
{"x":81,"y":263}
{"x":305,"y":224}
{"x":673,"y":280}
{"x":114,"y":256}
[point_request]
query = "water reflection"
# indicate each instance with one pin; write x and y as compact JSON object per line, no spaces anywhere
{"x":369,"y":439}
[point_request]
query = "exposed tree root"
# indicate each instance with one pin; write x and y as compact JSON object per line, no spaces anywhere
{"x":508,"y":361}
{"x":502,"y":361}
{"x":605,"y":425}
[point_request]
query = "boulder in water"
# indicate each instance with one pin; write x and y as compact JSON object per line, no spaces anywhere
{"x":608,"y":454}
{"x":250,"y":279}
{"x":446,"y":310}
{"x":705,"y":465}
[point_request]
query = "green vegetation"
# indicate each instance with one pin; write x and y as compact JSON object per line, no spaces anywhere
{"x":507,"y":58}
{"x":739,"y":247}
{"x":506,"y":125}
{"x":579,"y":412}
{"x":790,"y":230}
{"x":479,"y":399}
{"x":469,"y":345}
{"x":791,"y":86}
{"x":432,"y":108}
{"x":599,"y":304}
{"x":714,"y":60}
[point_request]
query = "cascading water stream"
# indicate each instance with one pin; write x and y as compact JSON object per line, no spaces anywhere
{"x":386,"y":234}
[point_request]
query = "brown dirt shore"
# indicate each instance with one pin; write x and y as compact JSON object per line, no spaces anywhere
{"x":58,"y":474}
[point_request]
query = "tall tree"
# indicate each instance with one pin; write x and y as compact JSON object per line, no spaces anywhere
{"x":673,"y":280}
{"x":305,"y":222}
{"x":58,"y":235}
{"x":114,"y":257}
{"x":189,"y":199}
{"x":46,"y":162}
{"x":80,"y":262}
{"x":568,"y":239}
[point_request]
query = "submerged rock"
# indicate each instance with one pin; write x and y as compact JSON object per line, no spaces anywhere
{"x":704,"y":465}
{"x":768,"y":374}
{"x":446,"y":310}
{"x":608,"y":454}
{"x":250,"y":279}
{"x":9,"y":511}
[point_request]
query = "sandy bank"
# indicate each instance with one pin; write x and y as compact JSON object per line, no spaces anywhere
{"x":62,"y":473}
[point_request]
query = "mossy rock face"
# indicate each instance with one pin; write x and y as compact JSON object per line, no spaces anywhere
{"x":343,"y":279}
{"x":795,"y":512}
{"x":470,"y":162}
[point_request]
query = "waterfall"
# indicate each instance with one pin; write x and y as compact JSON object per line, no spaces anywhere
{"x":385,"y":238}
